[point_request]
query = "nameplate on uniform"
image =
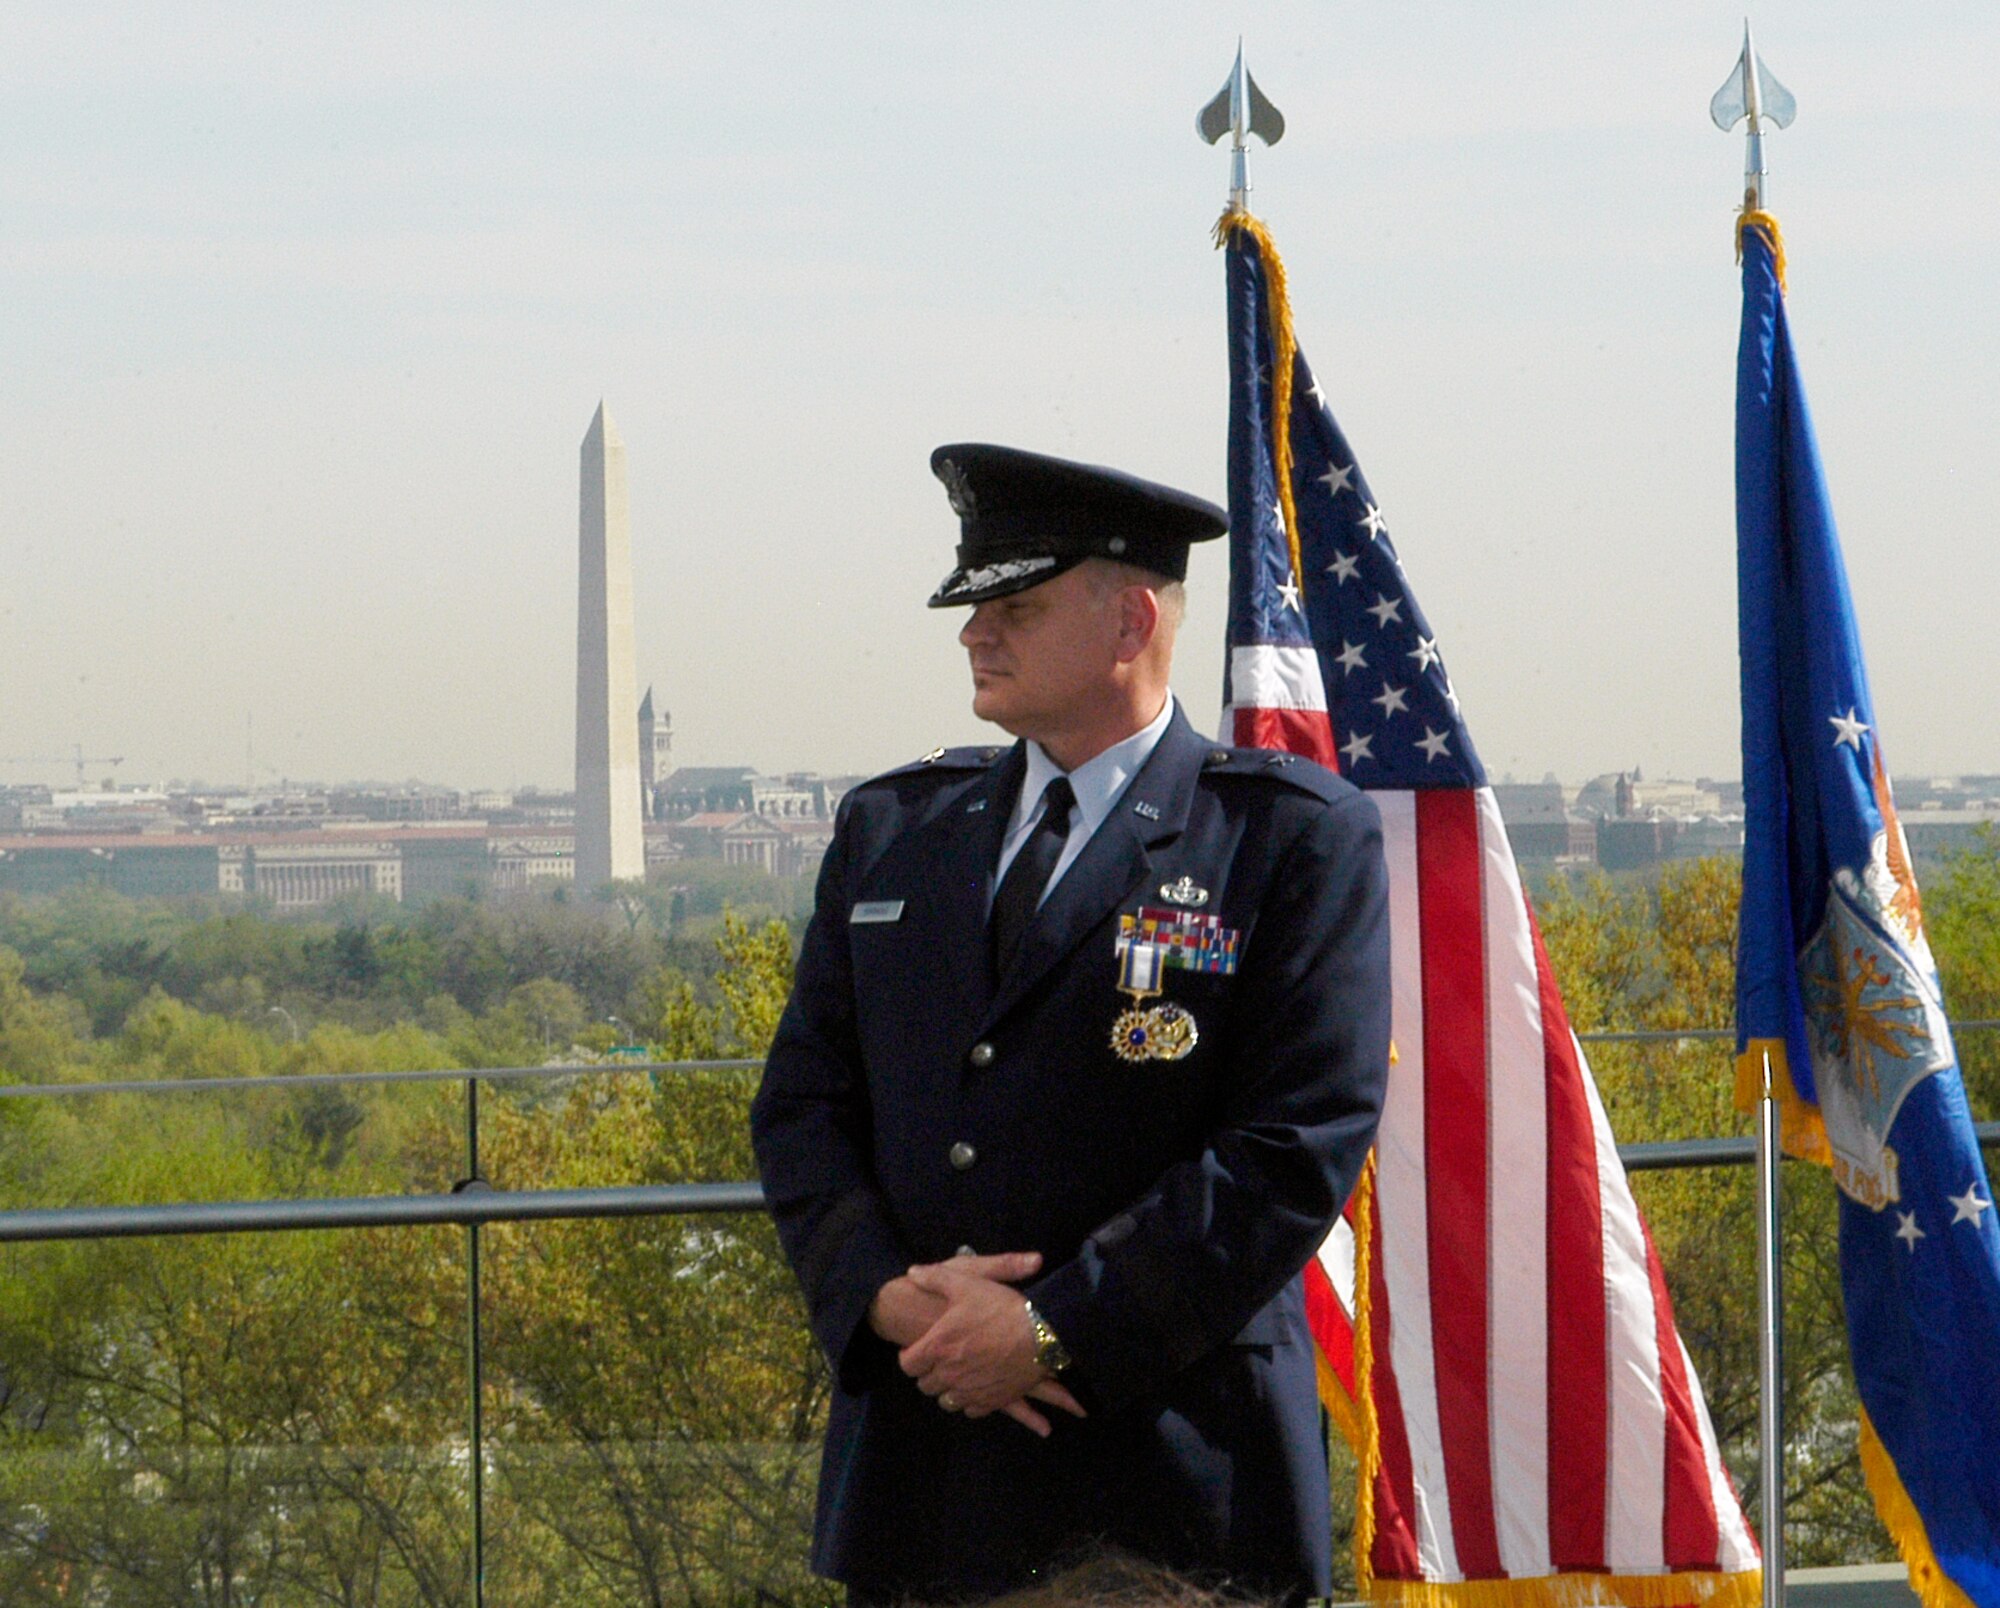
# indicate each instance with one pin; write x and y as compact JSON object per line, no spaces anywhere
{"x":875,"y":910}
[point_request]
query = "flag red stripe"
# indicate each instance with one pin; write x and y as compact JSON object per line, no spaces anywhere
{"x":1579,"y":1390}
{"x":1297,"y":731}
{"x":1394,"y":1553}
{"x":1692,"y":1536}
{"x":1332,"y":1328}
{"x":1449,"y":889}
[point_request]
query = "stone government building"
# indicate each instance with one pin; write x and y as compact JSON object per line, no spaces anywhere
{"x":1621,"y":821}
{"x":300,"y":848}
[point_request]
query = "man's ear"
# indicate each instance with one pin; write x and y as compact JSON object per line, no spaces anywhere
{"x":1138,"y":621}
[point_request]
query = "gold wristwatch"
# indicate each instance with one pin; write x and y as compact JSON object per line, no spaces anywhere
{"x":1050,"y":1354}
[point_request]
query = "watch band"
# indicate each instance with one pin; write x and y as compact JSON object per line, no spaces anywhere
{"x":1050,"y":1354}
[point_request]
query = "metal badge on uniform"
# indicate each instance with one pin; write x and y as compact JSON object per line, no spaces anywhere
{"x":1163,"y":1032}
{"x":1184,"y":892}
{"x":874,"y":910}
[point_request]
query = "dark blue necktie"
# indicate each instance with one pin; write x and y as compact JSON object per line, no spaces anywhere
{"x":1027,"y":878}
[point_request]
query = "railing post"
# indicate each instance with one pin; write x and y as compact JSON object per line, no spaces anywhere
{"x":475,"y":1417}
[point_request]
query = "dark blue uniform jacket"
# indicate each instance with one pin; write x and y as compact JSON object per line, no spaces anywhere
{"x":912,"y":1105}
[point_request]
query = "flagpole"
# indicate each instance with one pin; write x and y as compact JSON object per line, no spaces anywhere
{"x":1751,"y":96}
{"x":1770,"y":1349}
{"x":1240,"y":110}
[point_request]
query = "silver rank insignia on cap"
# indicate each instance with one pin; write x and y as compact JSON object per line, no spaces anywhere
{"x":1184,"y":892}
{"x":957,"y":489}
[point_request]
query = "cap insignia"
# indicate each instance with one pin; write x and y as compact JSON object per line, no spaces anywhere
{"x":958,"y":489}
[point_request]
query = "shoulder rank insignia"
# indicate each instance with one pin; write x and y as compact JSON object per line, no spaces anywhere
{"x":1184,"y":892}
{"x":932,"y":757}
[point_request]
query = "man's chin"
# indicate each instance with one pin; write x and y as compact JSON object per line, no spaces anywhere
{"x":989,"y":703}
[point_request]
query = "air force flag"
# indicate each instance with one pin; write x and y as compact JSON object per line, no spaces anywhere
{"x":1836,"y":984}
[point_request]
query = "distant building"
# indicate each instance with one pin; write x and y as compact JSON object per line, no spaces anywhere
{"x":1704,"y":836}
{"x":1629,"y":843}
{"x":780,"y":847}
{"x":1627,"y":794}
{"x":656,"y":753}
{"x":397,"y":803}
{"x":140,"y":867}
{"x":517,"y":864}
{"x":785,"y":798}
{"x":704,"y":790}
{"x":451,"y":862}
{"x":301,"y":873}
{"x":1541,"y":825}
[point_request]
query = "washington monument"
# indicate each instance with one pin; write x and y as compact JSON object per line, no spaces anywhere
{"x":608,"y":842}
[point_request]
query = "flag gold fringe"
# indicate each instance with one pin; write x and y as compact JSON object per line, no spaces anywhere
{"x":1367,"y":1443}
{"x":1701,"y":1589}
{"x":1933,"y":1587}
{"x":1767,"y":226}
{"x":1284,"y":354}
{"x":1801,"y":1128}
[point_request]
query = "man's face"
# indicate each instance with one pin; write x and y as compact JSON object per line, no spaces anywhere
{"x":1043,"y":658}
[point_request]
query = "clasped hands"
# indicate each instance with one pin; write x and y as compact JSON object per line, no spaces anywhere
{"x":964,"y":1336}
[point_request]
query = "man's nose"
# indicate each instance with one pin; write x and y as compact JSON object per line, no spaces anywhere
{"x":978,"y":627}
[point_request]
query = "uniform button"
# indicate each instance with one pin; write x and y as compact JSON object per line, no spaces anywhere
{"x":982,"y":1054}
{"x":963,"y":1155}
{"x":966,"y":1250}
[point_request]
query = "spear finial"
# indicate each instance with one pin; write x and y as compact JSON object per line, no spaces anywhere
{"x":1750,"y":95}
{"x":1239,"y":111}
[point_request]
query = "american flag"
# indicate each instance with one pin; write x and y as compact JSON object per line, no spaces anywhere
{"x":1494,"y":1326}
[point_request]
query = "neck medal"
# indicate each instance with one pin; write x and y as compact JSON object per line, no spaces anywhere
{"x":1162,"y":1032}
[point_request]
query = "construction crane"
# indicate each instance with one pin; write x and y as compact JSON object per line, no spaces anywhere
{"x":75,"y":756}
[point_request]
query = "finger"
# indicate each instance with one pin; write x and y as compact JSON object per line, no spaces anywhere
{"x":1023,"y":1414}
{"x":1056,"y":1395}
{"x":920,"y":1356}
{"x":938,"y":1278}
{"x":1009,"y":1267}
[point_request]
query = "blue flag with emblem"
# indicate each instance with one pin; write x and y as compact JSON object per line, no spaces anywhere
{"x":1835,"y":983}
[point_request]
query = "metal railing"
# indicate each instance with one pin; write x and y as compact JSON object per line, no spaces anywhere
{"x":473,"y":1203}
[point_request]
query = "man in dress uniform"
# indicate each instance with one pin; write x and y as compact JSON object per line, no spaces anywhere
{"x":1086,"y":1049}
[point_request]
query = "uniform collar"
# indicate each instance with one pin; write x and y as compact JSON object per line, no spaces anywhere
{"x":1098,"y":782}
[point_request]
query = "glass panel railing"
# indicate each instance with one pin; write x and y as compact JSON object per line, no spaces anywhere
{"x":282,"y":1418}
{"x":270,"y":1419}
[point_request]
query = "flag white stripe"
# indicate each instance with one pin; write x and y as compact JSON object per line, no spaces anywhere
{"x":1336,"y":1256}
{"x":1637,"y":1428}
{"x":1735,"y":1551}
{"x":1266,"y":676}
{"x":1401,"y":1191}
{"x":1517,"y":1211}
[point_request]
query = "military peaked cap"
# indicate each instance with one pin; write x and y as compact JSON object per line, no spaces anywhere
{"x":1025,"y":518}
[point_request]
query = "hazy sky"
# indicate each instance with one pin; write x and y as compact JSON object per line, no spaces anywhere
{"x":304,"y":311}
